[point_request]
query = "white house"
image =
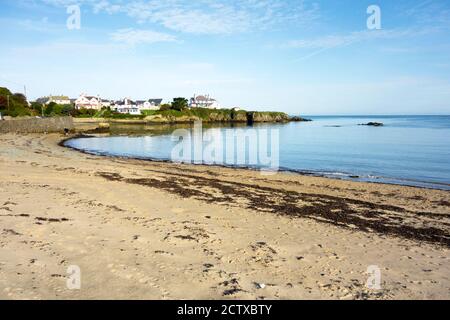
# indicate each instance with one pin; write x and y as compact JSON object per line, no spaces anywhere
{"x":56,"y":99}
{"x":88,"y":102}
{"x":151,"y":104}
{"x":203,"y":101}
{"x":127,"y":106}
{"x":106,"y":103}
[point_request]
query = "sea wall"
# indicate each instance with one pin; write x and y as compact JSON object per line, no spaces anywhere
{"x":36,"y":125}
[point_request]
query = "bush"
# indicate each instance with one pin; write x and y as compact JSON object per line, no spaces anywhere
{"x":149,"y":112}
{"x":83,"y":113}
{"x":179,"y":104}
{"x":67,"y":109}
{"x":3,"y":103}
{"x":48,"y":110}
{"x":165,"y":107}
{"x":14,"y":104}
{"x":37,"y":107}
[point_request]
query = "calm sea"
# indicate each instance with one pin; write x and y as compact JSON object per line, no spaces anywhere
{"x":407,"y":150}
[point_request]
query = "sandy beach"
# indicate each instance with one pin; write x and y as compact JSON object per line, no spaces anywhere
{"x":147,"y":230}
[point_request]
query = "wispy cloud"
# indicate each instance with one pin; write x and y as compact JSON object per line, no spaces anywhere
{"x":207,"y":16}
{"x":132,"y":36}
{"x":333,"y":41}
{"x":431,"y":12}
{"x":67,"y":49}
{"x":106,"y":6}
{"x":326,"y":43}
{"x":31,"y":25}
{"x":35,"y":25}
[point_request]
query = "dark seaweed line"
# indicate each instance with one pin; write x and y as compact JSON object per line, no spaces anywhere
{"x":439,"y":216}
{"x":369,"y":217}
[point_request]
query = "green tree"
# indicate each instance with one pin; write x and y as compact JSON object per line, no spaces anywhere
{"x":57,"y":110}
{"x":3,"y":103}
{"x":67,"y":109}
{"x":20,"y":98}
{"x":179,"y":104}
{"x":36,"y":106}
{"x":49,"y":108}
{"x":165,"y":107}
{"x":13,"y":104}
{"x":5,"y":92}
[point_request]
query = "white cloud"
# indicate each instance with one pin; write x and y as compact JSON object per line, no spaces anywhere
{"x":210,"y":17}
{"x":66,"y":50}
{"x":333,"y":41}
{"x":325,"y":43}
{"x":207,"y":16}
{"x":134,"y":36}
{"x":106,"y":6}
{"x":37,"y":25}
{"x":65,"y":2}
{"x":429,"y":12}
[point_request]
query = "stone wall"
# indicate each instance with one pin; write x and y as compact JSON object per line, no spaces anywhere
{"x":36,"y":125}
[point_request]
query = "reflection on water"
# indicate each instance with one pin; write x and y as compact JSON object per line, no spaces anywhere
{"x":410,"y":150}
{"x":162,"y":129}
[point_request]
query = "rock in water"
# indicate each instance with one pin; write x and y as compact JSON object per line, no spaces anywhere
{"x":373,"y":124}
{"x":299,"y":119}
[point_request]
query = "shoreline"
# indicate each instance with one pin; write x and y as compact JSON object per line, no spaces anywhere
{"x":153,"y":230}
{"x":303,"y":172}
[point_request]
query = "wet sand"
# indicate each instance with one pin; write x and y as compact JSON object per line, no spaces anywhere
{"x":146,"y":230}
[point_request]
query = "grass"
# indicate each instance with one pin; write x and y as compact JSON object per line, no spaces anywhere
{"x":201,"y":113}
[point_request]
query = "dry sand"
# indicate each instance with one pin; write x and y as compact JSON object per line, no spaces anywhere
{"x":143,"y":230}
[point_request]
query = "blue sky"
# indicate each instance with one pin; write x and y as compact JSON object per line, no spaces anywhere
{"x":302,"y":57}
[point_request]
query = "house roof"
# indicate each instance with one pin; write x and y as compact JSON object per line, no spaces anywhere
{"x":59,"y":97}
{"x":46,"y":99}
{"x":122,"y":102}
{"x":42,"y":100}
{"x":155,"y":101}
{"x":202,"y":98}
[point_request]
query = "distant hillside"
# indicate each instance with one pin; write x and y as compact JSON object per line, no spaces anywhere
{"x":214,"y":115}
{"x":193,"y":114}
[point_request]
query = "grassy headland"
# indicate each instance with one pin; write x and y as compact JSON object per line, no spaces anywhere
{"x":16,"y":105}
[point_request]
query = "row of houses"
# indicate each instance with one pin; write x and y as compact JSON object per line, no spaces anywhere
{"x":84,"y":101}
{"x":125,"y":105}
